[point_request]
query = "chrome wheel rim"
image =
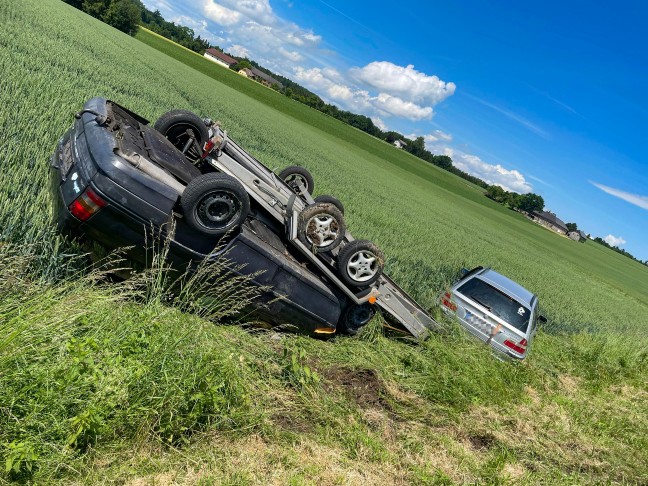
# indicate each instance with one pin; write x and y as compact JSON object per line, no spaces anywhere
{"x":362,"y":266}
{"x":322,"y":230}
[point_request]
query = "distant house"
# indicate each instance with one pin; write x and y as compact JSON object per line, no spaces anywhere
{"x":220,"y":58}
{"x":577,"y":236}
{"x":399,"y":144}
{"x":246,"y":72}
{"x":263,"y":78}
{"x":550,"y":220}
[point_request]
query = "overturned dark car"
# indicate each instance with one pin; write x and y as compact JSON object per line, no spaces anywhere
{"x":117,"y":180}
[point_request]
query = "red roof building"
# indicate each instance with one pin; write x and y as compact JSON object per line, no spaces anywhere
{"x":220,"y":57}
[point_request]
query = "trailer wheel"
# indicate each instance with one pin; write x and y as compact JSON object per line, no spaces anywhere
{"x":355,"y":317}
{"x":295,"y":174}
{"x":326,"y":199}
{"x":360,"y":263}
{"x":321,"y":227}
{"x":215,"y":203}
{"x":178,"y":126}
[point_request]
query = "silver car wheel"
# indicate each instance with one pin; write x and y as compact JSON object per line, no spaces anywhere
{"x":362,"y":266}
{"x":322,"y":230}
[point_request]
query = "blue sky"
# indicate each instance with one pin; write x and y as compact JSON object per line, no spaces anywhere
{"x":549,"y":97}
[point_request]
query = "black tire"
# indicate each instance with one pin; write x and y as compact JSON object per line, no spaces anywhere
{"x":215,"y":204}
{"x":321,"y":227}
{"x":360,"y":263}
{"x":355,"y":317}
{"x":293,"y":173}
{"x":174,"y":125}
{"x":326,"y":199}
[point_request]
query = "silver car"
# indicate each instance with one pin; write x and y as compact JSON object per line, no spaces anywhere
{"x":495,"y":309}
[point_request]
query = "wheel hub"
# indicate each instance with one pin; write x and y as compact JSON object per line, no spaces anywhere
{"x":322,"y":230}
{"x":217,"y":209}
{"x":362,"y":266}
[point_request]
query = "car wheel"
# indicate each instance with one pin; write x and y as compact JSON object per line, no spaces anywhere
{"x":321,"y":227}
{"x":293,"y":175}
{"x":355,"y":317}
{"x":215,"y":203}
{"x":360,"y":263}
{"x":178,"y":126}
{"x":326,"y":199}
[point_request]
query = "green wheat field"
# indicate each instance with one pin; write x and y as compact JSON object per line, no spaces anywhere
{"x":106,"y":383}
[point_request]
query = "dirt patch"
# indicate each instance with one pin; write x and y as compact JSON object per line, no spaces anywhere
{"x":293,"y":423}
{"x":361,"y":385}
{"x":482,"y":442}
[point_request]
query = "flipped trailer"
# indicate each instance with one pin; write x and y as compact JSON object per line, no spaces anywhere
{"x":286,"y":202}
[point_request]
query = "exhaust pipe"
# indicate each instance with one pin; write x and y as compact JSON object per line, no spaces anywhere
{"x":142,"y":163}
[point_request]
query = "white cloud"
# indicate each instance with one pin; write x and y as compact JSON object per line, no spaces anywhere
{"x":614,"y":240}
{"x":327,"y":82}
{"x":404,"y":82}
{"x":637,"y":200}
{"x":221,"y":15}
{"x":508,"y":179}
{"x":238,"y":51}
{"x":291,"y":55}
{"x":256,"y":10}
{"x":436,"y":136}
{"x":379,"y":123}
{"x":393,"y":105}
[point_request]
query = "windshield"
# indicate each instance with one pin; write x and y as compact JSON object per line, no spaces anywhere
{"x":497,"y":302}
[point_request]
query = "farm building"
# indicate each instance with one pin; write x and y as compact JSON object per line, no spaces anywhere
{"x":263,"y":78}
{"x":260,"y":77}
{"x":220,"y":58}
{"x":577,"y":236}
{"x":399,"y":144}
{"x":550,"y":220}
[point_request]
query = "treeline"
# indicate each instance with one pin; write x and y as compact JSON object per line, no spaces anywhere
{"x":128,"y":15}
{"x":601,"y":241}
{"x":124,"y":15}
{"x":177,"y":33}
{"x":523,"y":202}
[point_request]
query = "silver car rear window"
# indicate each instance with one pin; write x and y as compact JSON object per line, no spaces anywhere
{"x":497,"y":302}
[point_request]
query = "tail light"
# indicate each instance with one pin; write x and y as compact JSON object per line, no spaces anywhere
{"x":517,"y":347}
{"x":209,"y":146}
{"x":447,"y":302}
{"x":87,"y":204}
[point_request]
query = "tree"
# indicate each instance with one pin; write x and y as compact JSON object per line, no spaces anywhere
{"x":75,"y":3}
{"x":531,"y":202}
{"x":443,"y":161}
{"x":242,"y":64}
{"x":123,"y":15}
{"x":96,"y":8}
{"x":572,"y":226}
{"x":496,"y":193}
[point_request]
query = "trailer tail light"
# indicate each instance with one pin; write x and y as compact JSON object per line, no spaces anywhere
{"x":209,"y":146}
{"x":517,"y":347}
{"x":87,"y":204}
{"x":447,"y":302}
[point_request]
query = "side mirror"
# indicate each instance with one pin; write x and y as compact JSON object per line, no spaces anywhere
{"x":464,"y":272}
{"x":542,"y":319}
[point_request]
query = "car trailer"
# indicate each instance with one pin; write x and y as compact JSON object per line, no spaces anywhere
{"x":287,"y":199}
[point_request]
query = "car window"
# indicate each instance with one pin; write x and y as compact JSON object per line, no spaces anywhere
{"x":502,"y":305}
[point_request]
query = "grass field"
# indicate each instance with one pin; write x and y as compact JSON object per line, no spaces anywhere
{"x":102,"y":384}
